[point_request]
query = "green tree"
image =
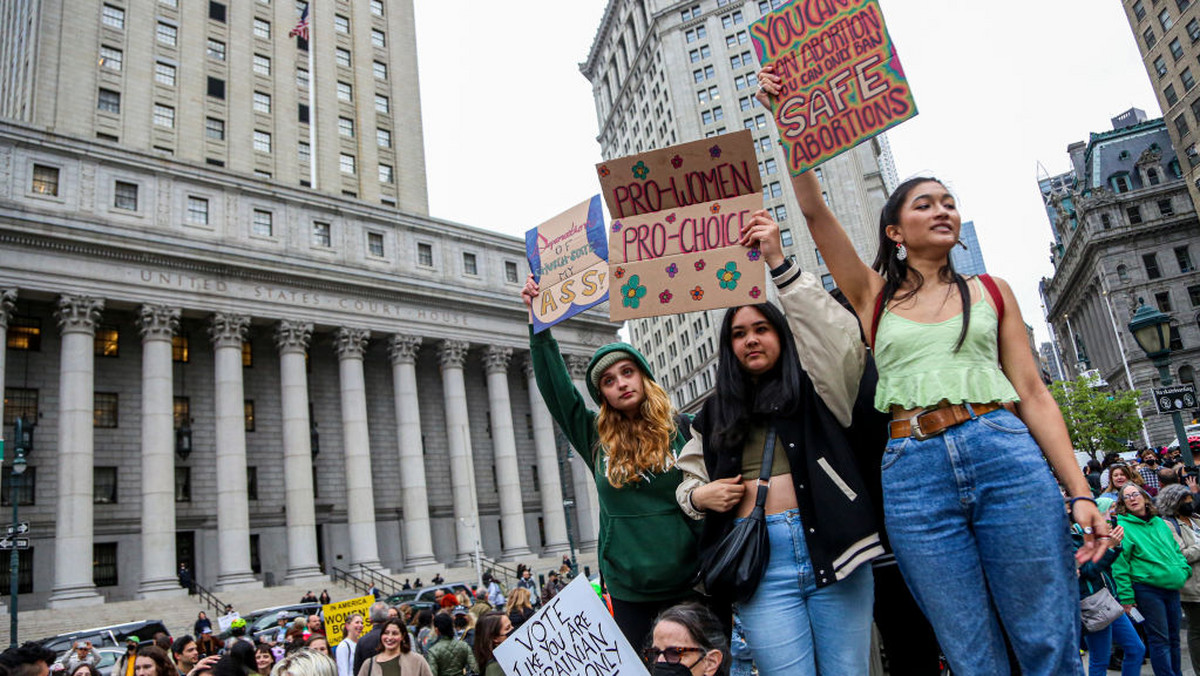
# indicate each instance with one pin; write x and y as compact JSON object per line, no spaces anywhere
{"x":1097,"y":420}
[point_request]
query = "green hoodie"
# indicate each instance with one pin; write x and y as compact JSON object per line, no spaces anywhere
{"x":1149,"y":556}
{"x":647,"y":544}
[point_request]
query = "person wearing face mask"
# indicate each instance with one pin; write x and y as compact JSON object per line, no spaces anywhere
{"x":1149,"y":472}
{"x":1176,"y":505}
{"x":1149,"y":574}
{"x":490,"y":631}
{"x":688,"y":640}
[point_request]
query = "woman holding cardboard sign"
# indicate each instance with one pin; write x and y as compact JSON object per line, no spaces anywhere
{"x":949,"y":357}
{"x":647,"y":546}
{"x":770,"y":445}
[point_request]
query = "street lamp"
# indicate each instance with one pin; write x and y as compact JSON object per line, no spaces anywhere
{"x":1152,"y":331}
{"x":24,"y":434}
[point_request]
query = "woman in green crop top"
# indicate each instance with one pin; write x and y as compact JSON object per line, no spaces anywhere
{"x":974,"y":515}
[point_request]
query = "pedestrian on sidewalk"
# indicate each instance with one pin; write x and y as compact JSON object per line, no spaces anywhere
{"x":344,"y":653}
{"x":447,"y":655}
{"x":368,"y":645}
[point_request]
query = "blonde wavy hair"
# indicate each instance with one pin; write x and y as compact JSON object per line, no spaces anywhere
{"x":639,"y":445}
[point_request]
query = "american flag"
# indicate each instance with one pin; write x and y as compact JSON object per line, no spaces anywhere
{"x":301,"y":28}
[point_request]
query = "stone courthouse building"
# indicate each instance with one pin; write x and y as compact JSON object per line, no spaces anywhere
{"x":244,"y":346}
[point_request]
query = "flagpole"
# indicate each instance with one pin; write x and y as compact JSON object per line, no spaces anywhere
{"x":312,"y":105}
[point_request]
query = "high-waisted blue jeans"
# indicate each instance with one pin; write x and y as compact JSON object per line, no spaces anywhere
{"x":980,"y":532}
{"x":791,"y":626}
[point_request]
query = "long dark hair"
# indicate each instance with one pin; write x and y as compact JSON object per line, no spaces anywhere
{"x":487,"y":628}
{"x":896,"y":271}
{"x":738,"y":398}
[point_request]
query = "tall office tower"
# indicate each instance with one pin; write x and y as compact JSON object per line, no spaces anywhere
{"x":221,"y":83}
{"x":1168,"y":36}
{"x":968,"y":261}
{"x":664,"y":73}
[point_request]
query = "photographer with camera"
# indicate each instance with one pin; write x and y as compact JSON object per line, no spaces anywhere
{"x":81,"y":653}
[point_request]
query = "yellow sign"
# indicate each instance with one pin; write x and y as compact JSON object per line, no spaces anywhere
{"x":336,"y":614}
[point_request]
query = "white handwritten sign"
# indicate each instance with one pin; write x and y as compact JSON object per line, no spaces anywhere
{"x":573,"y":635}
{"x":225,"y":621}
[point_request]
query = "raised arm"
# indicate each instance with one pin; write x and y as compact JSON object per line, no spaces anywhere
{"x":854,"y":277}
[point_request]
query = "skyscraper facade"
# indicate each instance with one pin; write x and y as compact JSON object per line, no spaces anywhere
{"x":969,"y":260}
{"x":664,"y":73}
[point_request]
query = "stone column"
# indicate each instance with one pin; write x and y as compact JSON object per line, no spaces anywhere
{"x":587,"y":504}
{"x":504,"y":444}
{"x":157,"y":323}
{"x":291,"y":339}
{"x":418,"y":535}
{"x":452,"y":354}
{"x":227,"y":332}
{"x":350,"y":345}
{"x":77,"y":317}
{"x":554,"y":519}
{"x":8,"y":298}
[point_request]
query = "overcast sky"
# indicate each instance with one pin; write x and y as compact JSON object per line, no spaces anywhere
{"x":510,"y":126}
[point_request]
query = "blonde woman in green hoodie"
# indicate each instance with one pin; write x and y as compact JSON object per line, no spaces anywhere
{"x":1149,"y":574}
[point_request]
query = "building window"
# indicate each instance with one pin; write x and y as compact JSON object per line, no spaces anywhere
{"x":1187,"y":79}
{"x":216,"y":49}
{"x":262,"y":225}
{"x":216,"y":87}
{"x":109,"y":101}
{"x":510,"y":272}
{"x":425,"y":254}
{"x":262,"y":29}
{"x":107,"y":341}
{"x":110,"y":58}
{"x":255,"y":560}
{"x":302,"y":78}
{"x":183,"y":484}
{"x":377,"y":7}
{"x":780,"y":213}
{"x":345,"y":92}
{"x":197,"y":210}
{"x":104,"y":485}
{"x":378,"y":38}
{"x":262,"y":102}
{"x":1194,"y":295}
{"x":470,"y":266}
{"x":321,"y":235}
{"x":216,"y":11}
{"x":24,"y":564}
{"x":1164,"y":20}
{"x":113,"y":17}
{"x":104,"y":413}
{"x":1163,"y":300}
{"x":343,"y":57}
{"x":1160,"y":67}
{"x":45,"y":180}
{"x":695,"y":34}
{"x":386,"y":174}
{"x":375,"y":244}
{"x":827,"y":282}
{"x":1138,"y":10}
{"x":1135,"y":215}
{"x":302,"y":113}
{"x":1193,"y":30}
{"x":346,"y":127}
{"x":785,"y":237}
{"x":182,"y":409}
{"x":1123,"y":273}
{"x":1183,"y":258}
{"x":304,"y":150}
{"x":164,"y":116}
{"x":346,"y":164}
{"x":1176,"y":340}
{"x":104,"y":564}
{"x":380,"y":70}
{"x":179,"y":349}
{"x":341,"y":24}
{"x":1176,"y":49}
{"x":248,"y":408}
{"x":1165,"y":208}
{"x":167,"y":34}
{"x":1152,"y":173}
{"x":20,"y":402}
{"x":262,"y":65}
{"x":690,"y":13}
{"x":164,"y":74}
{"x":382,"y":104}
{"x":774,"y":189}
{"x":262,"y":141}
{"x":1151,"y":262}
{"x":252,"y":483}
{"x":125,"y":195}
{"x":214,"y":128}
{"x":383,"y":138}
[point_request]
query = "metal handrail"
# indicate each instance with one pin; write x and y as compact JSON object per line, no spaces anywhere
{"x":381,"y":580}
{"x":207,"y":597}
{"x":353,"y":581}
{"x":506,"y":574}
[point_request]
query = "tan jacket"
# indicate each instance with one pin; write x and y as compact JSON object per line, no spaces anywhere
{"x":1191,"y":551}
{"x":411,"y":664}
{"x":830,"y":350}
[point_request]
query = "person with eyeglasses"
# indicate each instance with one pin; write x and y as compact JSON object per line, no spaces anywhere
{"x":688,"y":641}
{"x":490,"y":631}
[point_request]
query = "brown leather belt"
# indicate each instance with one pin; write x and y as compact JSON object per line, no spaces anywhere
{"x":933,"y":421}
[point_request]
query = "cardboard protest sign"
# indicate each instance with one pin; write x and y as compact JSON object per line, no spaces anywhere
{"x":568,"y":255}
{"x":573,"y":635}
{"x":336,"y":614}
{"x":224,"y":621}
{"x":842,"y":81}
{"x":684,"y":260}
{"x":692,"y":173}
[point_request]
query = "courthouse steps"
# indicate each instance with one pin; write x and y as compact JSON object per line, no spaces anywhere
{"x":179,"y":613}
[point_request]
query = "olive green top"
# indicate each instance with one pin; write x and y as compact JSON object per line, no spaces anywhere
{"x":752,"y":454}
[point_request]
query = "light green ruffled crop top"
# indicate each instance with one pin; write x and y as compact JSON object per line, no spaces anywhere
{"x":919,"y":367}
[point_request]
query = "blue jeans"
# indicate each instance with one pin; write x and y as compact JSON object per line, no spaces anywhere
{"x":1099,"y":645}
{"x":979,"y":530}
{"x":794,"y":628}
{"x":1162,"y":611}
{"x":741,"y":662}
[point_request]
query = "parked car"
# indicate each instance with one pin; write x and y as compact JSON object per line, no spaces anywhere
{"x":265,"y":619}
{"x":110,"y":636}
{"x":426,"y":593}
{"x":1193,"y":435}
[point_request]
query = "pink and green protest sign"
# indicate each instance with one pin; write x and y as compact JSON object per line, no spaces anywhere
{"x":842,"y":81}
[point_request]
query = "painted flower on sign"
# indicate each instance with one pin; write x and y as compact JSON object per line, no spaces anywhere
{"x":699,"y":265}
{"x":697,"y":293}
{"x":754,"y":254}
{"x":755,"y":292}
{"x":672,"y":270}
{"x":715,"y":208}
{"x":671,"y":217}
{"x":632,"y":292}
{"x":665,"y":297}
{"x":728,"y":276}
{"x":603,"y":170}
{"x":619,"y":272}
{"x":677,"y":161}
{"x":714,"y":152}
{"x":616,"y":226}
{"x":640,"y":170}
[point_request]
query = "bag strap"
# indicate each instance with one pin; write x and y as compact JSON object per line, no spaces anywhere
{"x":994,"y":291}
{"x":764,"y":476}
{"x":875,"y":316}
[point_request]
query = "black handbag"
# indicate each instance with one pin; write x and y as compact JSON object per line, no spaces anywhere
{"x":734,"y":567}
